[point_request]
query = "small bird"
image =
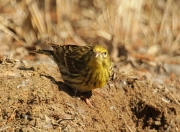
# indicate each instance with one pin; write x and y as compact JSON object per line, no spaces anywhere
{"x":83,"y":68}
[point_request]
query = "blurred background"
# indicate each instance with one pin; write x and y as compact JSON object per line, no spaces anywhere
{"x":132,"y":30}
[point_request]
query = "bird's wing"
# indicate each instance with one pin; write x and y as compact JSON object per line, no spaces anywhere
{"x":73,"y":57}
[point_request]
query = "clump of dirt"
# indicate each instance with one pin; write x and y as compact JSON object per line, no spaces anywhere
{"x":34,"y":98}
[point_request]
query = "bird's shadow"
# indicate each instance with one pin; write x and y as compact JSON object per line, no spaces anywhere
{"x":71,"y":92}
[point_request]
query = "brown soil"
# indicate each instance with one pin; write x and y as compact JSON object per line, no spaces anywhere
{"x":34,"y":98}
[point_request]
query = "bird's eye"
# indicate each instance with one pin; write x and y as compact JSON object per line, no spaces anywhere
{"x":104,"y":54}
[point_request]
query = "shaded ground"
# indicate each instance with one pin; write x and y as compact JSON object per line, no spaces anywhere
{"x":34,"y":98}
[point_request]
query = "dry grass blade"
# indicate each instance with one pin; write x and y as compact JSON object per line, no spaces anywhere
{"x":164,"y":26}
{"x":36,"y":14}
{"x":48,"y":17}
{"x":11,"y":28}
{"x":76,"y":38}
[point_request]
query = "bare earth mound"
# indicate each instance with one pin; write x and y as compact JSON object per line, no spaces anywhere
{"x":33,"y":97}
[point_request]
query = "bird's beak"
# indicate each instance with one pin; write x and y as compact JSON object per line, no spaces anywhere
{"x":96,"y":55}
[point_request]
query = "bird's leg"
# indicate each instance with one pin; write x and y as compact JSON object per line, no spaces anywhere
{"x":99,"y":92}
{"x":85,"y":96}
{"x":87,"y":101}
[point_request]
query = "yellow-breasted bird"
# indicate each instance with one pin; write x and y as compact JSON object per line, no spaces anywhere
{"x":83,"y":68}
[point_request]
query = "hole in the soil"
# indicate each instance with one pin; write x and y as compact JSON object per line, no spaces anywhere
{"x":149,"y":116}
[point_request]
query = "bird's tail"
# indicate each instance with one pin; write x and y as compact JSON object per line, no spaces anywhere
{"x":45,"y":52}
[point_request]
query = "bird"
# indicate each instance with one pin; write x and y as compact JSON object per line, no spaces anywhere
{"x":82,"y":68}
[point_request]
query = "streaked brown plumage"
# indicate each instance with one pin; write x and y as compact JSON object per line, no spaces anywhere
{"x":83,"y":68}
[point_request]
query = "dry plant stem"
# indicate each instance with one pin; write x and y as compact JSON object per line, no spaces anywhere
{"x":17,"y":7}
{"x":121,"y":116}
{"x":174,"y":98}
{"x":36,"y":15}
{"x":48,"y":17}
{"x":57,"y":123}
{"x":77,"y":39}
{"x":165,"y":18}
{"x":12,"y":116}
{"x":60,"y":120}
{"x":58,"y":11}
{"x":15,"y":36}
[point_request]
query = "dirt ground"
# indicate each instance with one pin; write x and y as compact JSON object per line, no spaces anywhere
{"x":34,"y":98}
